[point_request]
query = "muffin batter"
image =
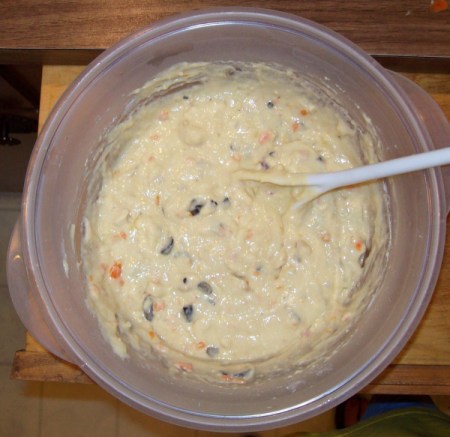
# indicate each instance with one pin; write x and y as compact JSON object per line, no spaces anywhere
{"x":217,"y":276}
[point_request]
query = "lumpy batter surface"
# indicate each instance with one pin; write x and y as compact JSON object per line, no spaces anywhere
{"x":218,"y":276}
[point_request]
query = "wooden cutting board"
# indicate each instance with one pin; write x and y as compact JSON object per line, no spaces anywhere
{"x":423,"y":367}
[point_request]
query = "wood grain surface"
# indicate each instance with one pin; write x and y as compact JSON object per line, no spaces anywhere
{"x":423,"y":367}
{"x":381,"y":27}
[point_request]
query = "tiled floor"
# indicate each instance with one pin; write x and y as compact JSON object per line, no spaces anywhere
{"x":36,"y":409}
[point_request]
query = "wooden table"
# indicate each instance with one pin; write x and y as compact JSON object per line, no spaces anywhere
{"x":423,"y":367}
{"x":67,"y":31}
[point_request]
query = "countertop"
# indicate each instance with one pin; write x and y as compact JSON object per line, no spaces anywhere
{"x":57,"y":31}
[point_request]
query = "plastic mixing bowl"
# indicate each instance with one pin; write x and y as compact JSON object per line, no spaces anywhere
{"x":44,"y":275}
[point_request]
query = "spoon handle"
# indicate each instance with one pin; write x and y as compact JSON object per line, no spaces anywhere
{"x":406,"y":164}
{"x":342,"y":178}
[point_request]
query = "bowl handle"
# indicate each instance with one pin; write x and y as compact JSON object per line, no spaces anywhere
{"x":434,"y":119}
{"x":27,"y":302}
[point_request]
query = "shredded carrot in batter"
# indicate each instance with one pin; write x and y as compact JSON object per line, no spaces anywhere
{"x":116,"y":270}
{"x":200,"y":345}
{"x":185,"y":367}
{"x":159,"y":306}
{"x":359,"y":245}
{"x":265,"y":137}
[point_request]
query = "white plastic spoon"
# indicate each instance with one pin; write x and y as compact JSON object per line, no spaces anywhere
{"x":323,"y":182}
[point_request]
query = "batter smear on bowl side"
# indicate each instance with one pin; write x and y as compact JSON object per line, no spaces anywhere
{"x":218,"y":277}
